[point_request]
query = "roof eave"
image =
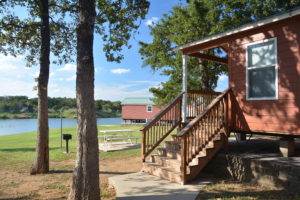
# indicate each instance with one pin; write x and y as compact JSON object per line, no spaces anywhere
{"x":246,"y":27}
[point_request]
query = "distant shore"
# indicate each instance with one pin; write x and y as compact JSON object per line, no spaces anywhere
{"x":53,"y":115}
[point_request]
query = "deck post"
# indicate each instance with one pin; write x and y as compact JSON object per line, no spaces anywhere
{"x":184,"y":87}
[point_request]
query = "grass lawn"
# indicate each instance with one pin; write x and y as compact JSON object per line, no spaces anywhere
{"x":17,"y":154}
{"x":18,"y":150}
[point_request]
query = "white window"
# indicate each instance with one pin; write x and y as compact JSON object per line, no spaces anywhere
{"x":262,"y":69}
{"x":149,"y":108}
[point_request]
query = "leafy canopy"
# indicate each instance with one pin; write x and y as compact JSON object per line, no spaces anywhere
{"x":19,"y":35}
{"x":199,"y":18}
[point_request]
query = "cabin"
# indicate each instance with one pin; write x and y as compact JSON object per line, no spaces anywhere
{"x":263,"y":97}
{"x":138,"y":109}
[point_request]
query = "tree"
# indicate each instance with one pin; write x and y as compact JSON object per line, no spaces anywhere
{"x":121,"y":17}
{"x":31,"y":36}
{"x":182,"y":25}
{"x":198,"y":19}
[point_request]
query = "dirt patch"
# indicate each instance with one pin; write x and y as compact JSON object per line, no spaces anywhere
{"x":56,"y":184}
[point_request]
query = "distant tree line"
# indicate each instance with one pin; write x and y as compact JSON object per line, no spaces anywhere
{"x":24,"y":107}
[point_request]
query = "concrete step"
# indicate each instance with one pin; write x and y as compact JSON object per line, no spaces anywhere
{"x":162,"y":172}
{"x":167,"y":162}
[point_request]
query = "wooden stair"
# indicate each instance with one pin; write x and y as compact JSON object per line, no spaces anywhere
{"x":195,"y":144}
{"x":166,"y":163}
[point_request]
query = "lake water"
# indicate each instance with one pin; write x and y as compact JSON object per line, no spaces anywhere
{"x":13,"y":126}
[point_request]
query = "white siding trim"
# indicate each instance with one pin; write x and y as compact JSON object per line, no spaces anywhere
{"x":149,"y":106}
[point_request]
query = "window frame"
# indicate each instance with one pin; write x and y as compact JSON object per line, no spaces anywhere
{"x":262,"y":67}
{"x":149,"y":106}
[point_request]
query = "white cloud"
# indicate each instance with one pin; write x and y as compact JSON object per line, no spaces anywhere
{"x":68,"y":67}
{"x":56,"y":90}
{"x":146,"y":82}
{"x":17,"y":88}
{"x":72,"y":78}
{"x":119,"y":92}
{"x":223,"y":77}
{"x":222,"y":83}
{"x":120,"y":71}
{"x":152,"y":21}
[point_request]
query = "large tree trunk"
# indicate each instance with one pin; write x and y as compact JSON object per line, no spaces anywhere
{"x":85,"y":184}
{"x":41,"y":163}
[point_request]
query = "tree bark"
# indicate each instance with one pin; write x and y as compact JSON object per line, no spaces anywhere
{"x":85,"y":184}
{"x":204,"y":74}
{"x":41,"y":163}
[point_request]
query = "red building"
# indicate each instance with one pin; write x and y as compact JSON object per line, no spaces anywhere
{"x":138,"y":109}
{"x":263,"y":98}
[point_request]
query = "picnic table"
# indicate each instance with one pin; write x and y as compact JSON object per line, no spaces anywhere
{"x":117,"y":135}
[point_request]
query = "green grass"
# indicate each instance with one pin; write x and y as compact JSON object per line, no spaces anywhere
{"x":17,"y":151}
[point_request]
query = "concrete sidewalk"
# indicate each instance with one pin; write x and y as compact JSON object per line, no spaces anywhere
{"x":142,"y":186}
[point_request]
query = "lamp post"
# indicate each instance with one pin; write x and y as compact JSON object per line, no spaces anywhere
{"x":61,"y":128}
{"x":61,"y":124}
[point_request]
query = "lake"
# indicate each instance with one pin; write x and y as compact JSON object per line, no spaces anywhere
{"x":13,"y":126}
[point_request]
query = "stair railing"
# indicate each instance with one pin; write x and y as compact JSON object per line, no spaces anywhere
{"x":162,"y":124}
{"x":198,"y":100}
{"x":201,"y":130}
{"x":155,"y":131}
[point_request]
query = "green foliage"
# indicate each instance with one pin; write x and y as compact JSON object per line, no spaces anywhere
{"x":20,"y":35}
{"x":23,"y":107}
{"x":115,"y":22}
{"x":192,"y":22}
{"x":182,"y":25}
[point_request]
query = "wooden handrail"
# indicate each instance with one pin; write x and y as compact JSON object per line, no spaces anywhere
{"x":204,"y":92}
{"x":195,"y":120}
{"x":161,"y":113}
{"x":201,"y":130}
{"x":155,"y":131}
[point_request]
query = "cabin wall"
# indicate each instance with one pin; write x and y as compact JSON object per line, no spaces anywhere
{"x":138,"y":112}
{"x":281,"y":115}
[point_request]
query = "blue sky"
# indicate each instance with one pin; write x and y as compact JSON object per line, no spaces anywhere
{"x":113,"y":81}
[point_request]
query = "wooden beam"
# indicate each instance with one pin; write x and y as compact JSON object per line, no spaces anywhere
{"x":209,"y":57}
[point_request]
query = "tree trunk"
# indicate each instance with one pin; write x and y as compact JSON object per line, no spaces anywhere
{"x":41,"y":163}
{"x":85,"y":184}
{"x":203,"y":64}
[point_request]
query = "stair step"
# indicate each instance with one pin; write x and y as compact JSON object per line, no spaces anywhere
{"x":167,"y":162}
{"x":172,"y":145}
{"x":162,"y":172}
{"x":176,"y":154}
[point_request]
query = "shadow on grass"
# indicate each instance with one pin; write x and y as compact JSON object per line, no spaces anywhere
{"x":71,"y":171}
{"x":18,"y":198}
{"x":114,"y":173}
{"x":250,"y":194}
{"x":25,"y":150}
{"x":59,"y":172}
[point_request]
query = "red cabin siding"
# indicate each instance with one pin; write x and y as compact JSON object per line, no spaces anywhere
{"x":281,"y":115}
{"x":138,"y":112}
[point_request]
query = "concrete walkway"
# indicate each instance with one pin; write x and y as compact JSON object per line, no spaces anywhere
{"x":142,"y":186}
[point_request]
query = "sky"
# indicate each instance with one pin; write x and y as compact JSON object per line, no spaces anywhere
{"x":113,"y":81}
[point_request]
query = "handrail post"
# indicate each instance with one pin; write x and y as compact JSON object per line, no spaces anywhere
{"x":183,"y":159}
{"x":184,"y":88}
{"x":143,"y":145}
{"x":227,"y":113}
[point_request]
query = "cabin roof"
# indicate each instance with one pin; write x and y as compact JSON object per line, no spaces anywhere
{"x":264,"y":21}
{"x":137,"y":101}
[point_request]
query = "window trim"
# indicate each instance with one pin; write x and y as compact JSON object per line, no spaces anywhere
{"x":149,"y":106}
{"x":265,"y":66}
